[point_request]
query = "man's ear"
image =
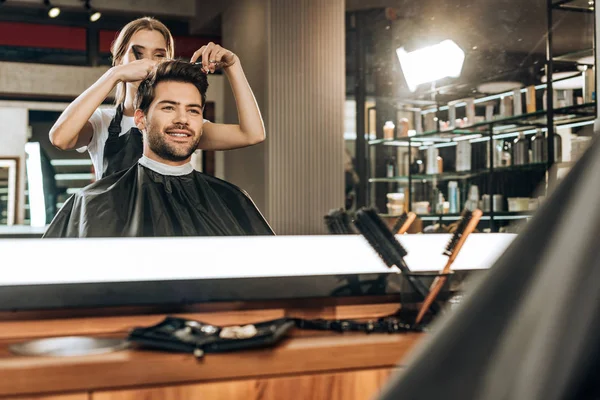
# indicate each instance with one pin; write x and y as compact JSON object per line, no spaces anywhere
{"x":140,"y":119}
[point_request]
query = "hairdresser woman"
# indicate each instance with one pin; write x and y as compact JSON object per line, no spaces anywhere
{"x":110,"y":135}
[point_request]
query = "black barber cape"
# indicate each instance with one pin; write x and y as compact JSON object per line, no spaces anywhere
{"x":529,"y":329}
{"x":142,"y":202}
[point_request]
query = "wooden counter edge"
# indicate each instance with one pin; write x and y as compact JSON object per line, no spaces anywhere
{"x":138,"y":368}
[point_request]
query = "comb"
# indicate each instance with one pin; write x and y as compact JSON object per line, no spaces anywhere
{"x":383,"y":241}
{"x":403,"y":223}
{"x":467,"y":224}
{"x":338,"y":222}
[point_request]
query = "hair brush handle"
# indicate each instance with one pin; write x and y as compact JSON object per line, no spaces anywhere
{"x":438,"y":282}
{"x":410,"y":218}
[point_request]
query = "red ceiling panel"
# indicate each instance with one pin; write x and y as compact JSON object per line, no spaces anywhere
{"x":42,"y":36}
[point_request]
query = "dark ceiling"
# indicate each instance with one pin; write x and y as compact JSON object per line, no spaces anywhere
{"x":504,"y":40}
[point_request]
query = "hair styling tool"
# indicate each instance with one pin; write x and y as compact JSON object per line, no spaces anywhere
{"x":389,"y":249}
{"x":338,"y":222}
{"x":403,"y":223}
{"x":466,"y":226}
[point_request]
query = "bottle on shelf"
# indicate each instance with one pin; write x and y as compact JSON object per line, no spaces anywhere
{"x":521,"y":150}
{"x":473,"y":201}
{"x":453,"y":197}
{"x":557,"y":147}
{"x":417,"y":166}
{"x":497,"y":156}
{"x":388,"y":130}
{"x":439,"y":207}
{"x":432,"y":160}
{"x":539,"y":152}
{"x":463,"y":156}
{"x":506,"y":160}
{"x":390,"y":167}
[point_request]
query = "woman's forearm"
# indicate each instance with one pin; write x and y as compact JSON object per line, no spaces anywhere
{"x":72,"y":129}
{"x":249,"y":117}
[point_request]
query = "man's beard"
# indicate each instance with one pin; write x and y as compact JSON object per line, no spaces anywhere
{"x":170,"y":151}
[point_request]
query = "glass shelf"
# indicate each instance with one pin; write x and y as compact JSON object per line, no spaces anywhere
{"x":498,"y":216}
{"x":574,"y":56}
{"x":574,"y":5}
{"x":517,"y":123}
{"x":450,"y":176}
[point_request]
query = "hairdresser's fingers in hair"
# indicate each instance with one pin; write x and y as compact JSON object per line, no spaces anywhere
{"x":218,"y":58}
{"x":206,"y":56}
{"x":197,"y":54}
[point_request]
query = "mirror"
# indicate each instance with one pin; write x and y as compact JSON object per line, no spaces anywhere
{"x":489,"y":111}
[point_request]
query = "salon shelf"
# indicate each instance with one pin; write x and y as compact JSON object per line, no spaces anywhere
{"x":573,"y":5}
{"x":498,"y":216}
{"x":518,"y":123}
{"x":450,"y":176}
{"x":574,"y":56}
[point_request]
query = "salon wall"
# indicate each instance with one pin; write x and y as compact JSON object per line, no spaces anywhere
{"x":293,"y":55}
{"x":45,"y":80}
{"x":13,"y":136}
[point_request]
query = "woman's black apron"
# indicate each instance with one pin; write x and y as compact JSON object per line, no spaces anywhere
{"x":121,"y":152}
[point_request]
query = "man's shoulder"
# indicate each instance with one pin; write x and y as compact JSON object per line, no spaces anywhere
{"x":217,"y":183}
{"x":101,"y":185}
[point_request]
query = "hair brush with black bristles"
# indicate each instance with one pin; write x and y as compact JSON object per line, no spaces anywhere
{"x":403,"y":223}
{"x":465,"y":218}
{"x":338,"y":222}
{"x":383,"y":241}
{"x":467,"y":224}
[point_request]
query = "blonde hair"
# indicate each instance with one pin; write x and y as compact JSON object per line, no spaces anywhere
{"x":121,"y":43}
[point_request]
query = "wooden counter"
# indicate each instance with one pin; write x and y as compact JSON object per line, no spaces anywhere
{"x":307,"y":364}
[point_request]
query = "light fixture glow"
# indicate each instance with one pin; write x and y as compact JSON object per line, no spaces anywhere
{"x":54,"y":12}
{"x":429,"y":64}
{"x":95,"y":16}
{"x":35,"y":183}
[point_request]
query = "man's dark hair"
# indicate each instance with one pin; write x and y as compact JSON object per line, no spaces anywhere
{"x":170,"y":71}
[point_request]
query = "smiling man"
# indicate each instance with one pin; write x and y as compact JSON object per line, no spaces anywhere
{"x":163,"y":195}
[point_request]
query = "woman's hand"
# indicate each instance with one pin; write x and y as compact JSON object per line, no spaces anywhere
{"x":214,"y":57}
{"x":135,"y":71}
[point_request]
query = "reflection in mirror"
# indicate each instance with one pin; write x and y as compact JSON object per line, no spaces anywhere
{"x":498,"y":87}
{"x":454,"y":98}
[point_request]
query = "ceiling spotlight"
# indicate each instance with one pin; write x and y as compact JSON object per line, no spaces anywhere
{"x":94,"y":14}
{"x":53,"y":12}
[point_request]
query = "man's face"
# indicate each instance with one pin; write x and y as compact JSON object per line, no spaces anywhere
{"x":173,"y":124}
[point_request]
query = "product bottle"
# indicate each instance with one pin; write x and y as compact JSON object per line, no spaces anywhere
{"x":390,"y":167}
{"x":538,"y":148}
{"x":506,"y":154}
{"x":463,"y":156}
{"x":439,"y":207}
{"x":417,"y":166}
{"x":521,"y":150}
{"x":388,"y":130}
{"x":557,"y":147}
{"x":453,"y":197}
